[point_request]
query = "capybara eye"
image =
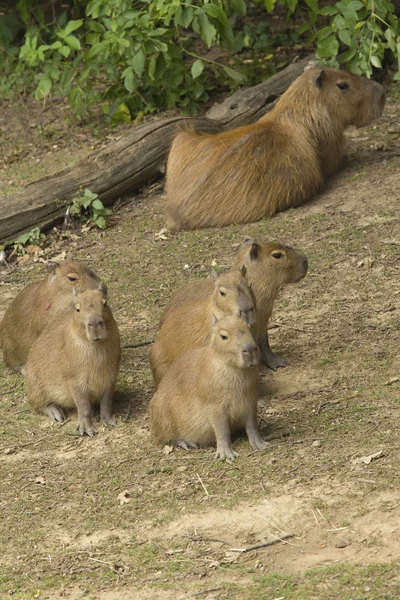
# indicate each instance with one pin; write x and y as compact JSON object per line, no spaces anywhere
{"x":223,"y":337}
{"x":222,"y":293}
{"x":72,"y":278}
{"x":277,"y":254}
{"x":342,"y":85}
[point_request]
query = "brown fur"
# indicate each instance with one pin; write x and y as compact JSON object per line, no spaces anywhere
{"x":265,"y":273}
{"x":279,"y":162}
{"x":190,"y":327}
{"x":75,"y":361}
{"x":211,"y":392}
{"x":37,"y":305}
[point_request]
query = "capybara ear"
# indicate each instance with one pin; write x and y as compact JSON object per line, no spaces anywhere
{"x":214,"y":320}
{"x":243,"y":271}
{"x":52,"y":265}
{"x":310,"y":65}
{"x":103,"y":289}
{"x":254,"y":250}
{"x":318,"y":78}
{"x":247,"y":240}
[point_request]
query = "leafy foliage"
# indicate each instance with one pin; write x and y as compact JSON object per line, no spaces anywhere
{"x":138,"y":57}
{"x":88,"y":207}
{"x":32,"y":238}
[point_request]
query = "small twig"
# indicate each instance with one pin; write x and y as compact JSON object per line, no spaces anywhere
{"x":202,"y":485}
{"x":265,"y":544}
{"x":64,"y":422}
{"x":138,"y":344}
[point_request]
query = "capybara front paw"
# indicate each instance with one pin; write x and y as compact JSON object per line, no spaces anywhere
{"x":259,"y":444}
{"x":55,"y":413}
{"x":226,"y":454}
{"x":85,"y":426}
{"x":109,"y":420}
{"x":274,"y":362}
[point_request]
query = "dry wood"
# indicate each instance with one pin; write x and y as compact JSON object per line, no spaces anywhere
{"x":134,"y":160}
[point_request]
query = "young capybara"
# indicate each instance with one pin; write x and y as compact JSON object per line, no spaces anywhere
{"x":190,"y":326}
{"x":211,"y":392}
{"x":279,"y":162}
{"x":37,"y":304}
{"x":75,"y":361}
{"x":269,"y":266}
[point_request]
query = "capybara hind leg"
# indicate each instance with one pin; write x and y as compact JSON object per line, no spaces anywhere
{"x":223,"y":436}
{"x":85,"y":424}
{"x":106,"y":409}
{"x":255,"y":439}
{"x":55,"y":413}
{"x":271,"y":360}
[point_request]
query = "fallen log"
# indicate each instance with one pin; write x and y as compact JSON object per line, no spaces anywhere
{"x":133,"y":161}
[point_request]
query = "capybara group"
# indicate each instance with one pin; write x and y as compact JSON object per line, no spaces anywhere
{"x":279,"y":162}
{"x":189,"y":326}
{"x":74,"y":363}
{"x":211,"y":392}
{"x":37,"y":305}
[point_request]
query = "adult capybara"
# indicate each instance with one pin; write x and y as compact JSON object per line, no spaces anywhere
{"x":211,"y":392}
{"x":190,"y":326}
{"x":75,"y":361}
{"x":37,"y":304}
{"x":279,"y":162}
{"x":269,"y":266}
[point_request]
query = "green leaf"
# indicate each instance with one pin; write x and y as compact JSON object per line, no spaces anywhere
{"x":345,"y":37}
{"x":328,"y":11}
{"x":96,"y":49}
{"x":197,"y":68}
{"x":138,"y":62}
{"x":270,"y":5}
{"x":187,"y":16}
{"x":328,"y":48}
{"x":72,"y":26}
{"x":97,"y":204}
{"x":239,"y":6}
{"x":43,"y":89}
{"x":349,"y":54}
{"x":65,"y":51}
{"x":73,"y":42}
{"x":95,"y":26}
{"x":203,"y":27}
{"x":396,"y":77}
{"x":376,"y":61}
{"x":239,"y":77}
{"x":303,"y":28}
{"x":129,"y":79}
{"x":100,"y":222}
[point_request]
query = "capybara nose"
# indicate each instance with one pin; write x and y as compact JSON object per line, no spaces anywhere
{"x":249,"y":349}
{"x":96,"y":322}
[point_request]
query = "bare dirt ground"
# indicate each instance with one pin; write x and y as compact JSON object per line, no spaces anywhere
{"x":181,"y":527}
